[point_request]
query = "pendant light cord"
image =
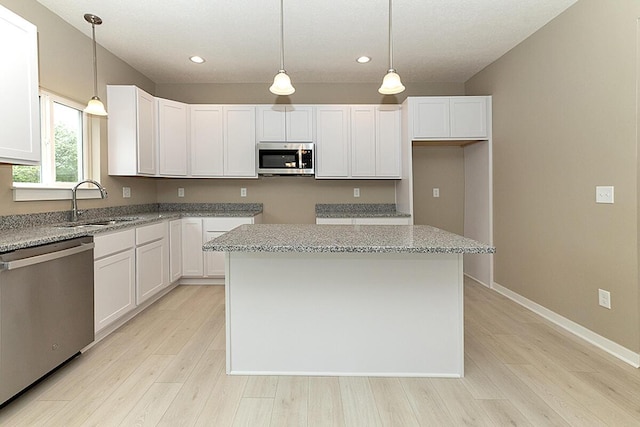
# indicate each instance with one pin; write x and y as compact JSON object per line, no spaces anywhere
{"x":95,"y":61}
{"x":390,"y":39}
{"x":282,"y":34}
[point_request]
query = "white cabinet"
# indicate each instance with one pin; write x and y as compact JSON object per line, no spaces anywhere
{"x":131,"y":125}
{"x":114,"y":276}
{"x":366,"y":221}
{"x":223,"y":141}
{"x":175,"y":250}
{"x":278,"y":123}
{"x":195,"y":232}
{"x":375,"y":141}
{"x":332,"y":141}
{"x":20,"y":130}
{"x":240,"y":142}
{"x":459,"y":117}
{"x":206,"y":142}
{"x":192,"y":255}
{"x":152,"y":260}
{"x":172,"y":137}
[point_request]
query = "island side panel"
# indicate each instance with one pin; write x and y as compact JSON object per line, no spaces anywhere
{"x":345,"y":314}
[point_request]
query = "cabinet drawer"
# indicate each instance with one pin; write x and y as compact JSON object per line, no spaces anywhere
{"x":224,"y":224}
{"x":107,"y":244}
{"x":149,"y":233}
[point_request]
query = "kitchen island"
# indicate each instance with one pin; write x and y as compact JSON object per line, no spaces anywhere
{"x":344,"y":300}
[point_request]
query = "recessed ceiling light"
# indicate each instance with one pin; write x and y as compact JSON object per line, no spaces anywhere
{"x":197,"y":59}
{"x":363,"y":59}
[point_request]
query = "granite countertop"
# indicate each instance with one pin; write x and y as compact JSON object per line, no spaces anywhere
{"x":34,"y":235}
{"x":344,"y":238}
{"x":359,"y":210}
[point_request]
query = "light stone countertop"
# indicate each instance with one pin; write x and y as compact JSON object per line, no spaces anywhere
{"x":359,"y":210}
{"x":344,"y":238}
{"x":50,"y":233}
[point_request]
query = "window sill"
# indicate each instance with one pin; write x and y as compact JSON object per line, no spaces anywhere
{"x":28,"y":193}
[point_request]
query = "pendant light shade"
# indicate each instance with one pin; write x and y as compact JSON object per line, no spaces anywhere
{"x":95,"y":105}
{"x":391,"y":83}
{"x":282,"y":82}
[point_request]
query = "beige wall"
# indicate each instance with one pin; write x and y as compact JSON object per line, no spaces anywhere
{"x":285,"y":199}
{"x":443,"y":168}
{"x":65,"y":67}
{"x":564,"y":121}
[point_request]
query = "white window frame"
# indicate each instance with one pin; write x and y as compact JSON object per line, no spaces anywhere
{"x":48,"y":190}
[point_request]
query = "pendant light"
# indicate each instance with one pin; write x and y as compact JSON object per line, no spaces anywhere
{"x":95,"y":106}
{"x":391,"y":83}
{"x":281,"y":82}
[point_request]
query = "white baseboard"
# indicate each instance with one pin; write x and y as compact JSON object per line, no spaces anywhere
{"x":615,"y":349}
{"x":475,"y":279}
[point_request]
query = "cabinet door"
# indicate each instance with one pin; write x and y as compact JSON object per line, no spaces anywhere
{"x":332,"y":142}
{"x":299,"y":124}
{"x":192,"y":247}
{"x":19,"y":132}
{"x":271,"y":123}
{"x":388,"y":146}
{"x":382,"y":221}
{"x":146,"y":141}
{"x":363,"y":141}
{"x":175,"y":250}
{"x":240,"y":141}
{"x":214,"y":261}
{"x":468,"y":117}
{"x":335,"y":221}
{"x":207,"y":150}
{"x":430,"y":117}
{"x":114,"y":287}
{"x":151,"y":265}
{"x":172,"y":137}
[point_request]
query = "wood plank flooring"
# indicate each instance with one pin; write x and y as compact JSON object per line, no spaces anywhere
{"x":166,"y":367}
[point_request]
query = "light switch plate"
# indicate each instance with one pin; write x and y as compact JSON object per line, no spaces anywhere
{"x":604,"y":194}
{"x":356,"y":192}
{"x":180,"y":192}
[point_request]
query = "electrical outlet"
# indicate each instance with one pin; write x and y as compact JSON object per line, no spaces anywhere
{"x":436,"y":192}
{"x":243,"y":192}
{"x":604,"y":194}
{"x":126,"y":192}
{"x":604,"y":298}
{"x":180,"y":192}
{"x":356,"y":192}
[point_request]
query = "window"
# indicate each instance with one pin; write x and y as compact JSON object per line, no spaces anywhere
{"x":65,"y":147}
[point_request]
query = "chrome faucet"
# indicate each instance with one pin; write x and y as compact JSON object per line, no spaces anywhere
{"x":75,"y":213}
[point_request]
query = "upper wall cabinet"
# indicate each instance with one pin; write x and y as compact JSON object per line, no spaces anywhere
{"x":172,"y":137}
{"x":206,"y":140}
{"x":459,"y":117}
{"x":278,"y":123}
{"x":375,"y":141}
{"x":19,"y":133}
{"x":239,"y":141}
{"x":131,"y":124}
{"x":332,"y":141}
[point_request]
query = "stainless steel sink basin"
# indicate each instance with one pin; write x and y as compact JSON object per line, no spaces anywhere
{"x":97,"y":223}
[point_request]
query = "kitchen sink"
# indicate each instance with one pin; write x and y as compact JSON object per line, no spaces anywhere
{"x":97,"y":223}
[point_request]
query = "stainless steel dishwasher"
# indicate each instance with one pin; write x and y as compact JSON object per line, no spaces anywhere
{"x":46,"y":310}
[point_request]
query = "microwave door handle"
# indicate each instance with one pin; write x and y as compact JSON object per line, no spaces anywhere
{"x":300,"y":165}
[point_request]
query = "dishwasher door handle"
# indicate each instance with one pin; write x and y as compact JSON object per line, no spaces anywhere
{"x":38,"y":259}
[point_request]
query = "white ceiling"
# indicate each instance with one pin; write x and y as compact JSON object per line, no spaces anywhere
{"x":434,"y":40}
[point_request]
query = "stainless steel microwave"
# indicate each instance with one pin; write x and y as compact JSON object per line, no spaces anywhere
{"x":285,"y":158}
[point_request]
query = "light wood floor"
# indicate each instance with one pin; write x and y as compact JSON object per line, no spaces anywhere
{"x":166,"y":368}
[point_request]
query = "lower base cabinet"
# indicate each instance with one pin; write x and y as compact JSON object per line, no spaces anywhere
{"x":365,"y":221}
{"x":114,"y":277}
{"x":152,"y":260}
{"x":195,"y":232}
